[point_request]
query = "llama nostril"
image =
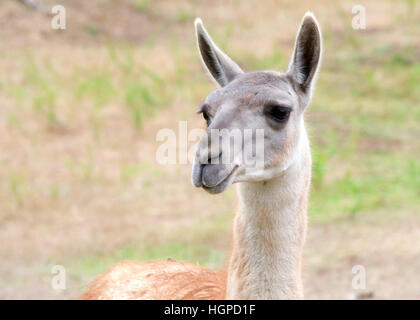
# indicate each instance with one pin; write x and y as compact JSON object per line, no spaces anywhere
{"x":214,"y":160}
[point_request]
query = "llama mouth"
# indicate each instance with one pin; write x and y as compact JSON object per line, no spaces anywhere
{"x":214,"y":178}
{"x":221,"y":185}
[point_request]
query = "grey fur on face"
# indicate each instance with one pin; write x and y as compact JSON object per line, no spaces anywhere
{"x":268,"y":100}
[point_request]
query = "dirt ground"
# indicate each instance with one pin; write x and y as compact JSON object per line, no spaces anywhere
{"x":69,"y":195}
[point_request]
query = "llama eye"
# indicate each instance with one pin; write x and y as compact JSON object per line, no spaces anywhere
{"x":206,"y":117}
{"x":204,"y":110}
{"x":278,"y":113}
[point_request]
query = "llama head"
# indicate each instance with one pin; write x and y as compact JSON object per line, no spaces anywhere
{"x":255,"y":119}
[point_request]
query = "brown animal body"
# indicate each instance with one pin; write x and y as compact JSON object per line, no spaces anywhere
{"x":156,"y":280}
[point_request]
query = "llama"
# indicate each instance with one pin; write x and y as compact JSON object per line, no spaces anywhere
{"x":270,"y":223}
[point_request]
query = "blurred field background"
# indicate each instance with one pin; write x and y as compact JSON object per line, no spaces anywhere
{"x":80,"y":109}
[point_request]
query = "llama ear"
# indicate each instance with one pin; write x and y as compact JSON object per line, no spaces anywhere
{"x":306,"y":57}
{"x":221,"y":67}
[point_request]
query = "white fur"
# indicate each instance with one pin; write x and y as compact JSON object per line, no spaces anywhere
{"x":273,"y":216}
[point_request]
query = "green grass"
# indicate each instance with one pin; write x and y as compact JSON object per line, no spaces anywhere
{"x":184,"y":16}
{"x":375,"y":98}
{"x":382,"y":182}
{"x":141,"y":5}
{"x":18,"y":186}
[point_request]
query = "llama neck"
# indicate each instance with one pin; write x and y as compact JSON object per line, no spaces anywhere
{"x":269,"y":233}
